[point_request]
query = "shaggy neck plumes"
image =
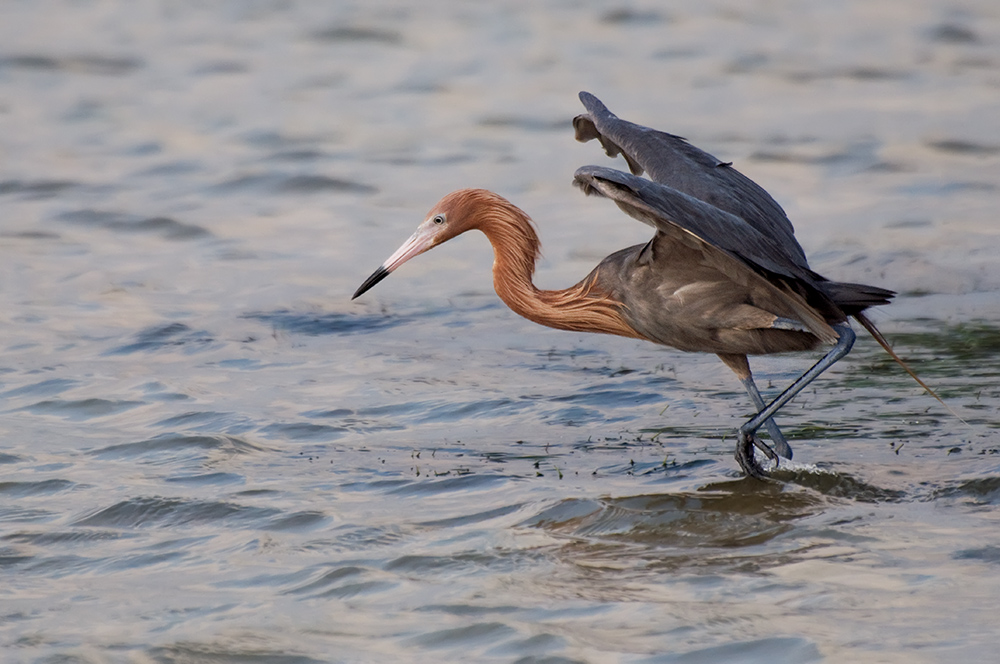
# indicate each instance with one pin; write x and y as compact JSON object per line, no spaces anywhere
{"x":581,"y":308}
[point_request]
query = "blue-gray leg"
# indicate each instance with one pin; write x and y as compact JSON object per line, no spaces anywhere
{"x":781,"y":446}
{"x":747,"y":440}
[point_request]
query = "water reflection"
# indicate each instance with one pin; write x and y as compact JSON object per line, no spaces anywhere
{"x":695,"y":532}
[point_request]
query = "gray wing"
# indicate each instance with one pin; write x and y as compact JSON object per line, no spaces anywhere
{"x":671,"y":211}
{"x":737,"y":248}
{"x":672,"y":161}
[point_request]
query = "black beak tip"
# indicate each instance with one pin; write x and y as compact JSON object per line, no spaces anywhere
{"x":377,"y":276}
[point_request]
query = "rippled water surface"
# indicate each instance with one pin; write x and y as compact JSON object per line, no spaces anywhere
{"x":208,"y":453}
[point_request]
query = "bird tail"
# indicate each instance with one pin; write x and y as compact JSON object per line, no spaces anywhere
{"x":870,"y":326}
{"x":855,"y":298}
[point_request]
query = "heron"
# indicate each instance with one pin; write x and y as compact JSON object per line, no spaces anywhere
{"x":723,"y":272}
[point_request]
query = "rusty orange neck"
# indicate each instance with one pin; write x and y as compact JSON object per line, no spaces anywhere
{"x":581,"y":308}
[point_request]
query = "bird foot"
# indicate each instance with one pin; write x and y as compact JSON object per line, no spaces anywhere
{"x":745,"y":443}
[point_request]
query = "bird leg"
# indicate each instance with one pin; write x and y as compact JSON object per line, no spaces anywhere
{"x":745,"y":456}
{"x":781,"y":446}
{"x":747,"y":440}
{"x":741,"y":367}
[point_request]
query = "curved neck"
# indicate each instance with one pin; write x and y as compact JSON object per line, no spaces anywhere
{"x":582,"y":308}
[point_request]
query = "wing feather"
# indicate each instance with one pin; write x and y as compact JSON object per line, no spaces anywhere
{"x":672,"y":161}
{"x":732,"y":245}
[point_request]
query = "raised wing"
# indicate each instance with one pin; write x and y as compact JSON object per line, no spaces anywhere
{"x":669,"y":211}
{"x":741,"y":250}
{"x":672,"y":161}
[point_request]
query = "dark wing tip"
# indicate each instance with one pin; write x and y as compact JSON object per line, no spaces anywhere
{"x":377,"y":276}
{"x":585,"y":128}
{"x":585,"y":187}
{"x":597,"y":123}
{"x":584,"y":179}
{"x":596,"y":108}
{"x":592,"y":103}
{"x":598,"y":176}
{"x":610,"y":183}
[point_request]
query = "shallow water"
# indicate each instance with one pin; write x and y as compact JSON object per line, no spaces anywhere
{"x":209,"y":454}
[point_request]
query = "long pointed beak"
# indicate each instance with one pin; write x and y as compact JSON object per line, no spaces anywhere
{"x":418,"y":243}
{"x":377,"y":276}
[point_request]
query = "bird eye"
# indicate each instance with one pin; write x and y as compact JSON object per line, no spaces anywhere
{"x":438,"y":219}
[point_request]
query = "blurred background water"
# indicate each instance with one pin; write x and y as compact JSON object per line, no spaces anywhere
{"x":209,"y":454}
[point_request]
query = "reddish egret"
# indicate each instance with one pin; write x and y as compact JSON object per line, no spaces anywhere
{"x":722,"y":274}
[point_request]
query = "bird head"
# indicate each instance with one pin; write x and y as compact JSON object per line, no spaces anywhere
{"x":452,"y":215}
